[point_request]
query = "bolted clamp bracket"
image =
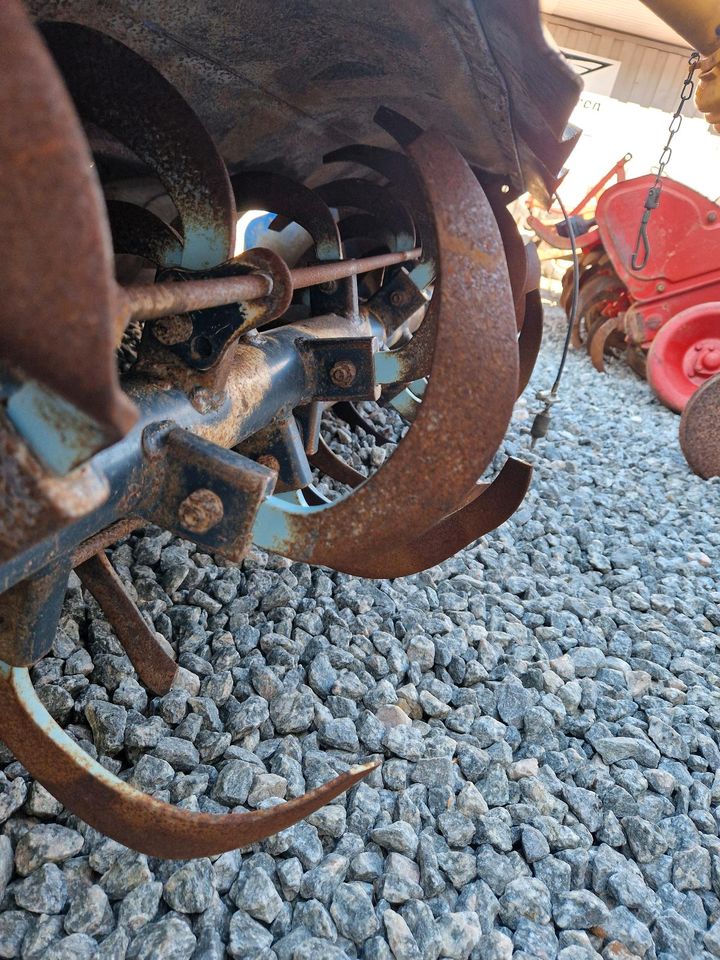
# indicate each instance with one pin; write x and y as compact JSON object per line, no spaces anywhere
{"x":201,"y":491}
{"x":342,"y":369}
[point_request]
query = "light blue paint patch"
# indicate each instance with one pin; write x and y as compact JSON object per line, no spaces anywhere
{"x":423,"y":274}
{"x":417,"y":387}
{"x":59,"y":434}
{"x":272,"y":529}
{"x":387,"y":367}
{"x":204,"y":248}
{"x":406,"y":404}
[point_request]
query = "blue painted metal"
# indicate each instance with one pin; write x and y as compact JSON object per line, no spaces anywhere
{"x":60,"y":435}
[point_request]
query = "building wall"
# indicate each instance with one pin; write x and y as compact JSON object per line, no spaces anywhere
{"x":651,"y":72}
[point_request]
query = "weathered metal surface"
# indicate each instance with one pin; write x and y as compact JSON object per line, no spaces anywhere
{"x":487,"y":507}
{"x":153,"y":665}
{"x":276,"y":91}
{"x":335,"y":467}
{"x":57,"y":255}
{"x":699,"y":433}
{"x":472,"y":282}
{"x":530,"y":338}
{"x":213,"y":392}
{"x":116,"y":89}
{"x":115,"y":807}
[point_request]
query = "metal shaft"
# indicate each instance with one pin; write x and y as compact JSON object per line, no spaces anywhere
{"x":153,"y":300}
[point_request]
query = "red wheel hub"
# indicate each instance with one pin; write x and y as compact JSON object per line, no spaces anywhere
{"x":684,"y":354}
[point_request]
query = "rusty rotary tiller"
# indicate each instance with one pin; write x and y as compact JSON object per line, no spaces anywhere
{"x":413,"y":288}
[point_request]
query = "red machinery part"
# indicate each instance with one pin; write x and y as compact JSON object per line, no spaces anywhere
{"x":685,"y":354}
{"x":684,"y":238}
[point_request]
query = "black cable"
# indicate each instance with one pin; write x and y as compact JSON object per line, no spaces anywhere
{"x":541,"y":423}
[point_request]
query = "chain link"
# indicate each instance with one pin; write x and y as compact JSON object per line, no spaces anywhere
{"x":641,"y":254}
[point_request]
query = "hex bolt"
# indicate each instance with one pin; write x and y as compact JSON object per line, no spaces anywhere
{"x":712,"y":216}
{"x":397,"y":298}
{"x":343,"y":373}
{"x":172,"y":330}
{"x":330,"y":286}
{"x":200,"y":511}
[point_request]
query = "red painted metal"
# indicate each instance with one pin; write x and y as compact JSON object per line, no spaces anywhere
{"x":618,"y":170}
{"x":684,"y":236}
{"x":685,"y":354}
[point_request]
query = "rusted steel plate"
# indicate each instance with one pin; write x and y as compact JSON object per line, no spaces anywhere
{"x":155,"y":668}
{"x":116,"y":808}
{"x":57,"y":303}
{"x":700,"y":430}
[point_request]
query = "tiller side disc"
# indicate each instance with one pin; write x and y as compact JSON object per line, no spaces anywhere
{"x":229,"y":363}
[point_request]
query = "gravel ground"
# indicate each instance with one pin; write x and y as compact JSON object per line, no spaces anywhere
{"x":545,"y":704}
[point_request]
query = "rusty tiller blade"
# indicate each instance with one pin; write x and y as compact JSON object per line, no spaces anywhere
{"x":294,"y":202}
{"x":530,"y":338}
{"x":600,"y":340}
{"x":700,"y":430}
{"x":335,"y":467}
{"x":138,"y":231}
{"x":56,"y":274}
{"x":488,"y":507}
{"x":364,"y":195}
{"x":154,"y":667}
{"x":472,"y":282}
{"x":116,"y":808}
{"x":349,"y":413}
{"x":491,"y":505}
{"x":119,"y":91}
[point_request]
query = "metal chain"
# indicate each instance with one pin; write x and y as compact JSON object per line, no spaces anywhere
{"x":642,"y":246}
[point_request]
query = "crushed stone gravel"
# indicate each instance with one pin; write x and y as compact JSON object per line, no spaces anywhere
{"x":546,"y":705}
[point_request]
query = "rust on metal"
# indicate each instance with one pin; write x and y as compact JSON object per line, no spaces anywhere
{"x":57,"y":259}
{"x":115,"y":807}
{"x":699,"y":432}
{"x":473,"y":281}
{"x":343,"y":373}
{"x":200,"y":511}
{"x":335,"y":467}
{"x":153,"y":665}
{"x":530,"y":338}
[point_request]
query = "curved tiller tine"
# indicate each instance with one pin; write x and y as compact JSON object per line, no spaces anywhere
{"x":119,"y":91}
{"x":260,"y":190}
{"x":598,"y":341}
{"x":365,"y":195}
{"x":155,"y":668}
{"x":348,"y":413}
{"x":335,"y":467}
{"x":468,"y":372}
{"x":530,"y":338}
{"x":491,"y":505}
{"x":121,"y":811}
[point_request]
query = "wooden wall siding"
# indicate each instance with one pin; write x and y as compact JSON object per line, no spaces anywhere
{"x":651,"y":73}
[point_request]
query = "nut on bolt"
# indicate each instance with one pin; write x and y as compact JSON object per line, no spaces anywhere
{"x":200,"y":511}
{"x":343,"y":373}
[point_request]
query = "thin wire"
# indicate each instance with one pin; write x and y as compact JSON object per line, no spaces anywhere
{"x":575,"y":296}
{"x":541,"y":423}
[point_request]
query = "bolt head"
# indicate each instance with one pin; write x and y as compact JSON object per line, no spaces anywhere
{"x":343,"y":373}
{"x":200,"y":511}
{"x":397,"y":298}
